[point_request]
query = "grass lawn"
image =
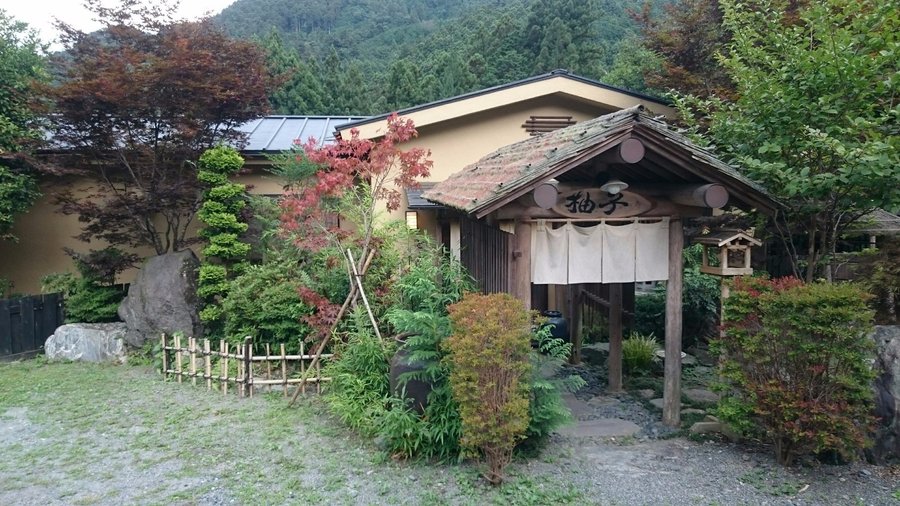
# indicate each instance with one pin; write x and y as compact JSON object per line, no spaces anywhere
{"x":74,"y":433}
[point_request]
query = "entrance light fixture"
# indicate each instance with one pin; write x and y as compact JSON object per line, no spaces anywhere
{"x":614,"y":186}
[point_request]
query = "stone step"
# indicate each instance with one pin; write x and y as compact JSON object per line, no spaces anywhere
{"x":601,"y":427}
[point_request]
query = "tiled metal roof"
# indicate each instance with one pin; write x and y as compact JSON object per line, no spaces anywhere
{"x":415,"y":200}
{"x":278,"y":133}
{"x":511,"y":171}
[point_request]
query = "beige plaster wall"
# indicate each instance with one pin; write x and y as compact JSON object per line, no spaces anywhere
{"x":43,"y":233}
{"x":457,"y":143}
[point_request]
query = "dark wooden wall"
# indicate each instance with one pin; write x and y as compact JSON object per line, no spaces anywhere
{"x":485,"y":251}
{"x":26,"y":323}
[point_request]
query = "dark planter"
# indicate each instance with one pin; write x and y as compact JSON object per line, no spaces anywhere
{"x":415,"y":390}
{"x":559,"y":327}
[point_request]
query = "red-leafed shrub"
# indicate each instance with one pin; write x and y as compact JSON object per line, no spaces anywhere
{"x":798,"y":359}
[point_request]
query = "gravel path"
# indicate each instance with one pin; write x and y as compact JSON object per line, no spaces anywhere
{"x":75,"y":434}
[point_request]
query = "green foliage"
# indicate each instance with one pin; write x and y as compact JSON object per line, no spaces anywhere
{"x":547,"y":411}
{"x":91,"y":297}
{"x":700,"y":306}
{"x":390,"y":54}
{"x":6,"y":287}
{"x":798,"y":358}
{"x":639,"y":353}
{"x":419,"y":307}
{"x":263,"y":303}
{"x":816,"y":118}
{"x":359,"y":389}
{"x":22,"y":67}
{"x":880,"y":272}
{"x":488,"y":352}
{"x":224,"y":253}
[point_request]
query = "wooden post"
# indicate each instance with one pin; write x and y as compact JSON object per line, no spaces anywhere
{"x":224,"y":366}
{"x":268,"y":366}
{"x":178,"y":356}
{"x":615,"y":337}
{"x":284,"y":375}
{"x":192,"y":349}
{"x":572,"y":307}
{"x":302,"y":387}
{"x":165,"y":355}
{"x":672,"y":381}
{"x":576,"y":327}
{"x":248,"y":366}
{"x":206,"y":356}
{"x":521,"y":282}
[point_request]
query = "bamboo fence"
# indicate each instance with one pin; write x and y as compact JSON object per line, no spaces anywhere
{"x":238,"y":366}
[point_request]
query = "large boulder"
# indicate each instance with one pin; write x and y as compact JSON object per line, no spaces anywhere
{"x":88,"y":342}
{"x":887,"y":393}
{"x":163,"y":299}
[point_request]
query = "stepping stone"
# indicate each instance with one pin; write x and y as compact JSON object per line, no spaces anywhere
{"x":659,"y":403}
{"x":602,"y":427}
{"x":578,"y":407}
{"x":692,"y":411}
{"x":701,"y":395}
{"x":603,"y":401}
{"x":646,"y":393}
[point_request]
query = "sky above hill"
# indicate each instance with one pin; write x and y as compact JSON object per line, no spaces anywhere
{"x":41,"y":14}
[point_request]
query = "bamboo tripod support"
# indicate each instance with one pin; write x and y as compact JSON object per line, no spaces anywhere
{"x":351,"y":299}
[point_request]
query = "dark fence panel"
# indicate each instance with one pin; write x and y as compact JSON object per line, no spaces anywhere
{"x":485,"y":252}
{"x":26,"y":323}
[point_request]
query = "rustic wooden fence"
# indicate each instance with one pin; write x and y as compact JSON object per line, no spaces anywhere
{"x":27,"y":322}
{"x":237,"y":366}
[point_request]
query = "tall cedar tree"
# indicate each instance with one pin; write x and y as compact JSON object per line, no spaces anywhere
{"x":138,"y":102}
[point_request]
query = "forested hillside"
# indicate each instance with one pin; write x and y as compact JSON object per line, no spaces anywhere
{"x":368,"y":57}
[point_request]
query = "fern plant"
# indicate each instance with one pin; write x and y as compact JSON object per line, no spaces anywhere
{"x":547,"y":410}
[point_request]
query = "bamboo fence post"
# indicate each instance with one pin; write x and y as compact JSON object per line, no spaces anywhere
{"x":318,"y":355}
{"x":223,"y":366}
{"x":239,"y":379}
{"x":248,"y":366}
{"x":178,"y":356}
{"x":192,"y":349}
{"x":268,"y":367}
{"x":165,"y":355}
{"x":302,"y":385}
{"x":318,"y":377}
{"x":206,"y":355}
{"x":284,"y":376}
{"x":227,"y":370}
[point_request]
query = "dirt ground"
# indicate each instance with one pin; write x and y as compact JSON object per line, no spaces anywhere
{"x":79,"y":434}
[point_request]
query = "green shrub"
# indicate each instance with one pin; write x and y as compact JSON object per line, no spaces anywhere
{"x":263,"y":303}
{"x":91,"y":297}
{"x":488,"y":352}
{"x":224,"y":254}
{"x":639,"y":353}
{"x":798,"y":359}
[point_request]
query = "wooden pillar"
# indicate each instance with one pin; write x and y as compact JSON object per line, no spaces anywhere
{"x":575,"y":322}
{"x":521,"y":281}
{"x":615,"y":337}
{"x":672,"y":382}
